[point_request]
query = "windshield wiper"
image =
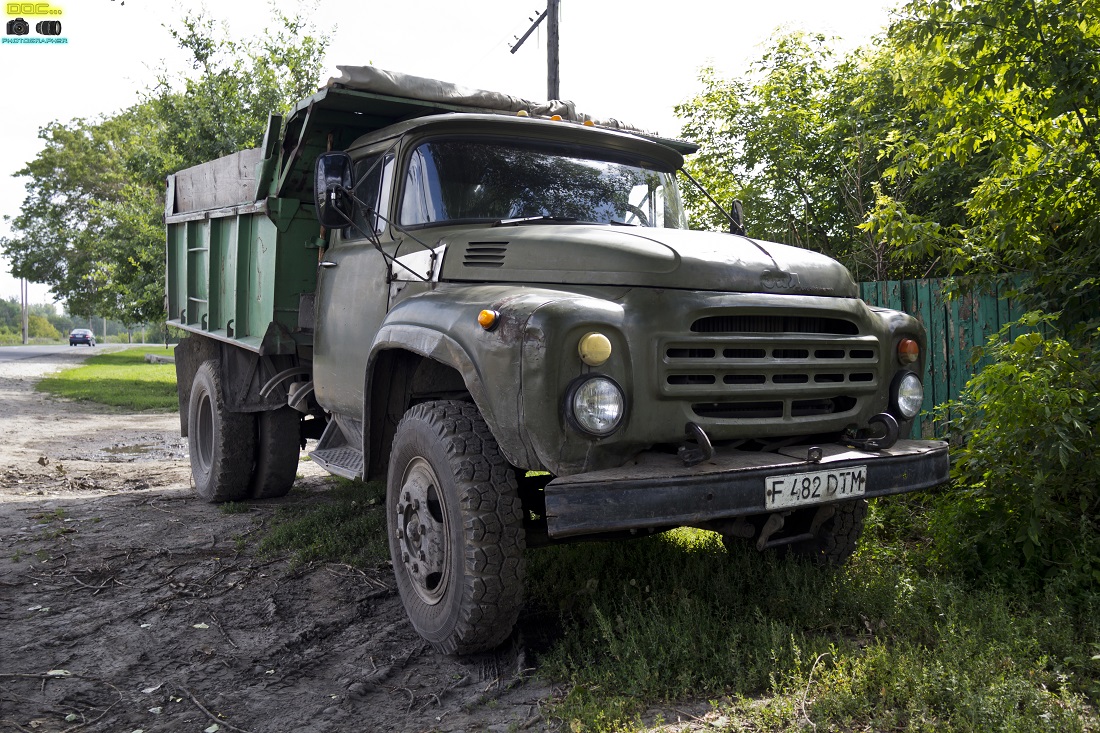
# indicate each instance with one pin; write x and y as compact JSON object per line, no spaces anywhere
{"x":536,"y":219}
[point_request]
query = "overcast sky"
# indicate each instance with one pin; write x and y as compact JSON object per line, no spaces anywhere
{"x":632,"y":61}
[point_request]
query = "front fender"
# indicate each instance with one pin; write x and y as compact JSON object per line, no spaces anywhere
{"x":441,"y":325}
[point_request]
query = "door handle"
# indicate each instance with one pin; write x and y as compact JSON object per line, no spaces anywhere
{"x":326,"y":263}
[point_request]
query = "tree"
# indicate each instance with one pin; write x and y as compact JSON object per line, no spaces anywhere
{"x":39,"y":327}
{"x":1007,"y":90}
{"x":799,"y":140}
{"x":91,"y":224}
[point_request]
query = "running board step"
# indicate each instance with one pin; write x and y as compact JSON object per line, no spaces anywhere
{"x":343,"y":461}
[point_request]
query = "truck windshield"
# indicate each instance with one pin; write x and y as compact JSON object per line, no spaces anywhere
{"x":481,"y":180}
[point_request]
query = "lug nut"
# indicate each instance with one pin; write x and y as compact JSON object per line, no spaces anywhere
{"x":422,"y":558}
{"x":416,"y":568}
{"x":407,"y":496}
{"x":416,"y":505}
{"x":400,"y":534}
{"x":405,"y":558}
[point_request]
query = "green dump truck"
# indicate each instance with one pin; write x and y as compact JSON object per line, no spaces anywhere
{"x":497,"y":307}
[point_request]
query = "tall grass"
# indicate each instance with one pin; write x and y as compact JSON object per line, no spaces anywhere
{"x":120,"y":378}
{"x":875,"y":646}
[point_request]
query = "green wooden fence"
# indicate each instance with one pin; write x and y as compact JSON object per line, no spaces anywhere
{"x":955,"y":326}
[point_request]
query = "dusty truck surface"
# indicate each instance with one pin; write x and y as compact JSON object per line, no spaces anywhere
{"x":497,"y":307}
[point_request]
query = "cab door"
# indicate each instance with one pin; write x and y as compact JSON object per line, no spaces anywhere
{"x":352,"y":291}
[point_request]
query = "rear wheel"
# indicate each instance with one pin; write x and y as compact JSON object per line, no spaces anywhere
{"x":278,"y":440}
{"x":837,"y":537}
{"x":455,"y":528}
{"x":220,"y":442}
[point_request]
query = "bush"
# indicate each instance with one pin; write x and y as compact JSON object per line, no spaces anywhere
{"x":40,"y":327}
{"x":1026,"y":492}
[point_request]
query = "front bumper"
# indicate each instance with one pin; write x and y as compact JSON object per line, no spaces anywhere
{"x":658,"y":491}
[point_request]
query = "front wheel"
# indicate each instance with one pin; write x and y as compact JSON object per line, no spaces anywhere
{"x":220,"y":442}
{"x":455,"y":528}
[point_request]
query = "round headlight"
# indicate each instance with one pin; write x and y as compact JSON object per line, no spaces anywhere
{"x":597,"y":405}
{"x":909,"y":395}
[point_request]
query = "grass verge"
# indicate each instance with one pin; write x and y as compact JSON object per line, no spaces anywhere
{"x":120,"y":379}
{"x":349,"y":527}
{"x":781,"y":645}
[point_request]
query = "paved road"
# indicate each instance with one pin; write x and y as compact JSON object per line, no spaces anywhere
{"x":16,"y":353}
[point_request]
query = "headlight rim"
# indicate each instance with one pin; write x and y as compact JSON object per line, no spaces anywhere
{"x":570,"y":414}
{"x":895,"y":395}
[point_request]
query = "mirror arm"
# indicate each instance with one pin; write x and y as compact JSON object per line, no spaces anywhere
{"x":736,"y":227}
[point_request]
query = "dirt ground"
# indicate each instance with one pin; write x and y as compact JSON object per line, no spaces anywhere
{"x":126,"y":605}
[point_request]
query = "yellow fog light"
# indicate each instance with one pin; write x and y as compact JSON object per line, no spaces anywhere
{"x":594,"y":348}
{"x":488,"y":319}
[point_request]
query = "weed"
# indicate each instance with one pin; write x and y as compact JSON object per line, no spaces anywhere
{"x":348,"y":526}
{"x":236,"y":507}
{"x":873,"y":646}
{"x":17,"y":556}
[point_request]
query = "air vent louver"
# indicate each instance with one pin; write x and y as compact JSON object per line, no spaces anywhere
{"x":485,"y":254}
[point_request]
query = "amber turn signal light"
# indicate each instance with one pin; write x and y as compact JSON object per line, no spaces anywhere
{"x":488,"y":319}
{"x":908,"y":351}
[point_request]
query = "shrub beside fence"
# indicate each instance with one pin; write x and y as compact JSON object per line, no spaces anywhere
{"x":955,"y":326}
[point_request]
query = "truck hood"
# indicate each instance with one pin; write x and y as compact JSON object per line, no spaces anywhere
{"x":582,"y":254}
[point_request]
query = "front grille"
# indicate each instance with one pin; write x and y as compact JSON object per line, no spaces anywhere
{"x":737,"y":367}
{"x":774,"y":324}
{"x":485,"y":254}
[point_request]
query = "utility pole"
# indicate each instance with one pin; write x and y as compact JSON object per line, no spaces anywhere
{"x":551,"y":15}
{"x":23,"y":295}
{"x":553,"y":82}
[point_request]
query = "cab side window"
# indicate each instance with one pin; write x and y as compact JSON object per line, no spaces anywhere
{"x":373,"y":180}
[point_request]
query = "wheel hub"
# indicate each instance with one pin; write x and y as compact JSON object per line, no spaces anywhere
{"x":422,"y":535}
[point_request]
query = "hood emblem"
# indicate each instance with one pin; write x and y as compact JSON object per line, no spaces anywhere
{"x":779,"y":280}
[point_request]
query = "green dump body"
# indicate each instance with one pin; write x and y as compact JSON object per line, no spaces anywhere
{"x":236,"y":275}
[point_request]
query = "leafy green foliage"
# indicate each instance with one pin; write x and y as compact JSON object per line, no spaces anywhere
{"x":799,"y":142}
{"x":1010,"y":91}
{"x":1026,"y":498}
{"x":91,"y":223}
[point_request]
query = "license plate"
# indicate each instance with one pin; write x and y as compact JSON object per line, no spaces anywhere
{"x":816,"y":487}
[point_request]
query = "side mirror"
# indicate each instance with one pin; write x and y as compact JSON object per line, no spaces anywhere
{"x":737,"y":218}
{"x":331,"y":190}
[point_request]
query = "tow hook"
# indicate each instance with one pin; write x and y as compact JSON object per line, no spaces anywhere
{"x":881,"y":442}
{"x":701,"y":451}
